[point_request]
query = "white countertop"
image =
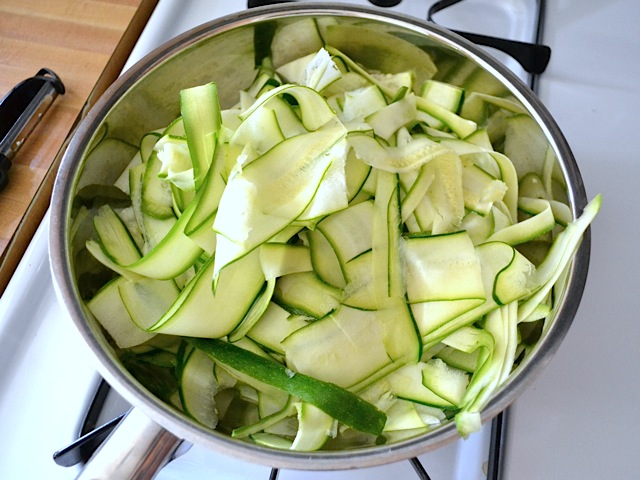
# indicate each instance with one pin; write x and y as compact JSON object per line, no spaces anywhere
{"x":580,"y":418}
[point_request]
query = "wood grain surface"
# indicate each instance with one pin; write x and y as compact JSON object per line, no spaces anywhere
{"x":86,"y":43}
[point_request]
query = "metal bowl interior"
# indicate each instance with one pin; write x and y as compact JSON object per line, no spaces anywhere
{"x":146,"y":97}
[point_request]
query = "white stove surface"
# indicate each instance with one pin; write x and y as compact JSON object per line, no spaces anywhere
{"x":578,"y":420}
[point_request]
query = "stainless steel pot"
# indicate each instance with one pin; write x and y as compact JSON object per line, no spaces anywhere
{"x":146,"y":97}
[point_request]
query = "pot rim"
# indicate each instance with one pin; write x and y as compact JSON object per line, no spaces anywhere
{"x":179,"y":424}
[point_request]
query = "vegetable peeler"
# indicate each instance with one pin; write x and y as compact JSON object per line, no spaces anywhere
{"x":21,"y":110}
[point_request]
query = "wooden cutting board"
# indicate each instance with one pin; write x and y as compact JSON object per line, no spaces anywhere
{"x":86,"y":43}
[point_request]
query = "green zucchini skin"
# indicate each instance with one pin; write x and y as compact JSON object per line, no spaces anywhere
{"x":344,"y":406}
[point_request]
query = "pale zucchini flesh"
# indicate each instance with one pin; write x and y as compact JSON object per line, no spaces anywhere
{"x":345,"y":249}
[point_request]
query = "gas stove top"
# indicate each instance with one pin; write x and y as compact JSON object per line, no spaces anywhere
{"x":49,"y":377}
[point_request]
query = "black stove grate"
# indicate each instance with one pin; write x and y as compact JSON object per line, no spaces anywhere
{"x":533,"y":57}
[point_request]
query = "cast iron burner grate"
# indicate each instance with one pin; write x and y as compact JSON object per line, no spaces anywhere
{"x":533,"y":57}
